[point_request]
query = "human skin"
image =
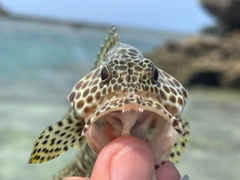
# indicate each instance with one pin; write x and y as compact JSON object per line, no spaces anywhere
{"x":126,"y":158}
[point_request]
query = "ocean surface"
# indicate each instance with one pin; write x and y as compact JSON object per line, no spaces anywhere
{"x":39,"y":65}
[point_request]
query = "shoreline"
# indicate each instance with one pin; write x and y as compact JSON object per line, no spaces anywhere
{"x":80,"y":24}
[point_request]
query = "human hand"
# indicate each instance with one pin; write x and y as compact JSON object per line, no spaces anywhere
{"x":128,"y":158}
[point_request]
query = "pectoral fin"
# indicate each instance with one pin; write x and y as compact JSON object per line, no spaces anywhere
{"x":180,"y":145}
{"x":58,"y":138}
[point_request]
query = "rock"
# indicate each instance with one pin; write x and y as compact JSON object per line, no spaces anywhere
{"x":207,"y":60}
{"x":3,"y":12}
{"x":227,"y":12}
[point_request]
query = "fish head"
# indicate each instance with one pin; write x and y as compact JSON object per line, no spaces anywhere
{"x":127,"y":95}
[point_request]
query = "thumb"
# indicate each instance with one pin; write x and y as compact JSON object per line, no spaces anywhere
{"x":124,"y":158}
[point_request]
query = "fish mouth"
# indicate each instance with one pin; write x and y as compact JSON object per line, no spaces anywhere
{"x":152,"y":124}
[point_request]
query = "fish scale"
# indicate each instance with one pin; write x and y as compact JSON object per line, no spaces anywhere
{"x":126,"y":94}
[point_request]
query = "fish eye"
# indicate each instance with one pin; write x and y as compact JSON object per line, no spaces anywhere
{"x":155,"y":75}
{"x":105,"y":74}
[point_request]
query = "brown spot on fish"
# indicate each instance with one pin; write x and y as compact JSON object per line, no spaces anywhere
{"x":138,"y":68}
{"x":109,"y":89}
{"x":162,"y":81}
{"x":95,"y":82}
{"x":183,"y":144}
{"x":68,"y":136}
{"x":89,"y":99}
{"x":78,"y":85}
{"x":65,"y":148}
{"x":104,"y":91}
{"x":175,"y":123}
{"x":88,"y":76}
{"x":85,"y":93}
{"x":166,"y":89}
{"x":60,"y":123}
{"x":97,"y":96}
{"x":172,"y":99}
{"x":86,"y":110}
{"x":179,"y":131}
{"x":179,"y":92}
{"x":44,"y":142}
{"x":70,"y":121}
{"x":173,"y":91}
{"x":180,"y":102}
{"x":84,"y":85}
{"x":163,"y":95}
{"x":57,"y":132}
{"x":130,"y":71}
{"x":122,"y":68}
{"x":94,"y":89}
{"x":71,"y":97}
{"x":50,"y":128}
{"x":166,"y":75}
{"x":115,"y":87}
{"x":184,"y":93}
{"x":171,"y":83}
{"x":130,"y":64}
{"x":176,"y":82}
{"x":80,"y":104}
{"x":78,"y":95}
{"x":58,"y":142}
{"x":62,"y":134}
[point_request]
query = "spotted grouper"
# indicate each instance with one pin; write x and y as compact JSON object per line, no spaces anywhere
{"x":125,"y":95}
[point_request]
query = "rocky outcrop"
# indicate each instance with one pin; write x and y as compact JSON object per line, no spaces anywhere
{"x":3,"y":12}
{"x":226,"y":11}
{"x":204,"y":59}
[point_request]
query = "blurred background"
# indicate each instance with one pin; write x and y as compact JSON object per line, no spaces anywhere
{"x":47,"y":46}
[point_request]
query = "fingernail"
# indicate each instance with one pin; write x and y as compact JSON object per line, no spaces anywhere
{"x":133,"y":162}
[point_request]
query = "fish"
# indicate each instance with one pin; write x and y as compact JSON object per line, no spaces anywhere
{"x":125,"y":94}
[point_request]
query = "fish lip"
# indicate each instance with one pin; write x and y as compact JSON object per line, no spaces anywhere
{"x":161,"y":142}
{"x":134,"y":107}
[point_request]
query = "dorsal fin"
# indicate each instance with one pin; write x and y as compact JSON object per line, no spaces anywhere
{"x":109,"y":42}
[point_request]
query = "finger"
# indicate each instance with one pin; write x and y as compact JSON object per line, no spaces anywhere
{"x":124,"y":158}
{"x":168,"y":171}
